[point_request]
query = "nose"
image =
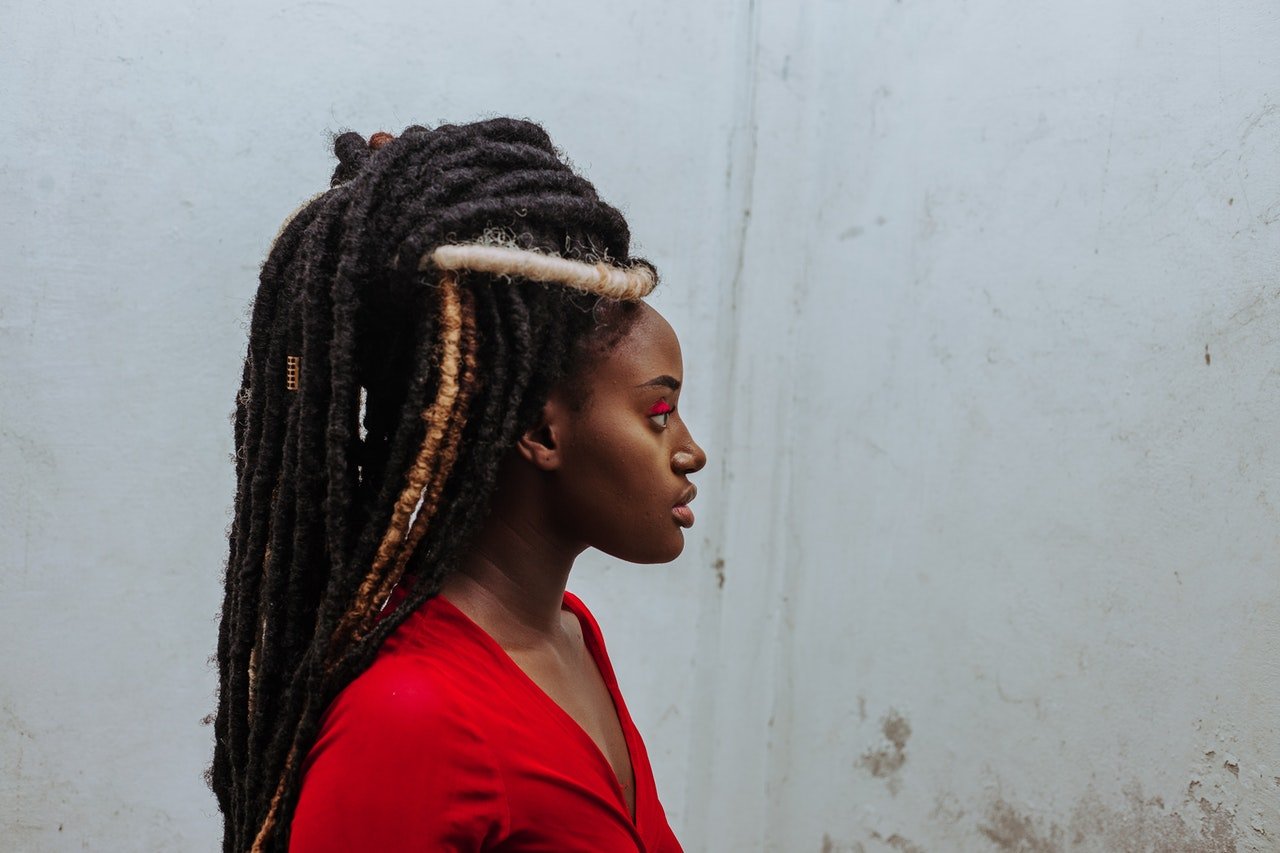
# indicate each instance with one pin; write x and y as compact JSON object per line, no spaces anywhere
{"x":689,"y":458}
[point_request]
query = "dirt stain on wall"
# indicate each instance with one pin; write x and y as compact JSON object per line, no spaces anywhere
{"x":830,"y":845}
{"x":1197,"y":826}
{"x":894,"y":842}
{"x":897,"y":842}
{"x":886,"y":760}
{"x":1018,"y":832}
{"x":1140,"y":826}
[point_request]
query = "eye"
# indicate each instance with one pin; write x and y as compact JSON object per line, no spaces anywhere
{"x":660,"y":413}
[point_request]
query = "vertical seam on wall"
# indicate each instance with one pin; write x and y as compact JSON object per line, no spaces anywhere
{"x":807,"y":48}
{"x":739,"y":189}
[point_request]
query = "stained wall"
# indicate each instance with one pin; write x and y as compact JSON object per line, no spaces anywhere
{"x":978,"y":304}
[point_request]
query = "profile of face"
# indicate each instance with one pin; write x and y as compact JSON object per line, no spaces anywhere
{"x":615,"y":452}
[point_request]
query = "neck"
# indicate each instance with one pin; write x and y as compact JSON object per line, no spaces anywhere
{"x":512,"y":580}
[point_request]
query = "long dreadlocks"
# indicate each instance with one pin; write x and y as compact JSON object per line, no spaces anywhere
{"x":388,"y":370}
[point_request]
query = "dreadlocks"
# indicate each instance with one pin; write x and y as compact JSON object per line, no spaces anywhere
{"x":385,"y":378}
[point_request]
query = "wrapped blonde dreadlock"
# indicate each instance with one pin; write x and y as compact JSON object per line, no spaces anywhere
{"x":395,"y":353}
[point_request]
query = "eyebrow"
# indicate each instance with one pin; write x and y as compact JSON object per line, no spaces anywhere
{"x":664,"y":380}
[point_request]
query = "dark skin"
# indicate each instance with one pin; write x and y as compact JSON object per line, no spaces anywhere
{"x":604,"y":474}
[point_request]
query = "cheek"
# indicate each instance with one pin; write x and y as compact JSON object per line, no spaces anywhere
{"x":619,"y":493}
{"x":637,"y":535}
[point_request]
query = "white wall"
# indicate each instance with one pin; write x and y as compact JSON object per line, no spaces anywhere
{"x":987,"y":551}
{"x":1010,"y":447}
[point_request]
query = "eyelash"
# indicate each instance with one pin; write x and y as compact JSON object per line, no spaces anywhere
{"x":661,"y":409}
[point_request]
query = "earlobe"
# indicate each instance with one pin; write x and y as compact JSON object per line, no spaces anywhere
{"x":539,"y":445}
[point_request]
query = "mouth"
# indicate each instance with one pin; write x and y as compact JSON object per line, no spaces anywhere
{"x":681,"y":512}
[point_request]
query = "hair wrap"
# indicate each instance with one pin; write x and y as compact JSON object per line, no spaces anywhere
{"x":634,"y":282}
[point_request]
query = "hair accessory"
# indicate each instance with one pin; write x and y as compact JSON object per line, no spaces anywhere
{"x":379,"y":139}
{"x":634,"y":282}
{"x":292,"y":368}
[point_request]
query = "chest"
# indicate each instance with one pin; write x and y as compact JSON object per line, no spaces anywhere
{"x":574,"y":683}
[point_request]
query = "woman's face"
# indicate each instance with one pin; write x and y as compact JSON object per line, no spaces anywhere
{"x":624,"y":454}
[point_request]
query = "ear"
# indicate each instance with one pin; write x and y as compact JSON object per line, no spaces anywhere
{"x":541,"y":444}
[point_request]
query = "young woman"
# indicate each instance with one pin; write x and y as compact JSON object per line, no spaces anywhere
{"x":452,"y":389}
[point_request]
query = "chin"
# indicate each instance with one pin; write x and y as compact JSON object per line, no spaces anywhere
{"x":652,"y":552}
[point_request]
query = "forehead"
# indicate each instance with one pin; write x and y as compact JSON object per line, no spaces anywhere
{"x":649,"y":348}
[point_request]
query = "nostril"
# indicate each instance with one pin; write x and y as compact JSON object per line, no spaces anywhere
{"x":688,"y":461}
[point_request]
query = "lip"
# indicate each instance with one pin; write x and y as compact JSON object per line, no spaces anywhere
{"x":681,"y":512}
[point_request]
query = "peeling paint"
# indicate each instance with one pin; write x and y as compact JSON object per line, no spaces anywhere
{"x":1141,"y":825}
{"x":1146,"y":824}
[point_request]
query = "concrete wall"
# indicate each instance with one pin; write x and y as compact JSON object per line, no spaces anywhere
{"x":1014,"y":432}
{"x":979,"y":305}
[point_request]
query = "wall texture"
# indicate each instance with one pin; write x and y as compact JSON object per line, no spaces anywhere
{"x":979,"y":304}
{"x":1014,"y":434}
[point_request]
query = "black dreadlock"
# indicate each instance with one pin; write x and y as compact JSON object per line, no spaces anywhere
{"x":448,"y":369}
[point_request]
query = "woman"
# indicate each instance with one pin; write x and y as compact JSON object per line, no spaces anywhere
{"x":451,"y":390}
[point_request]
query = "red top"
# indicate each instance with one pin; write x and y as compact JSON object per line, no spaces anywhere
{"x":445,"y":744}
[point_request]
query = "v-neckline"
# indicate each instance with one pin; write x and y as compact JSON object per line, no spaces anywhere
{"x":566,"y":719}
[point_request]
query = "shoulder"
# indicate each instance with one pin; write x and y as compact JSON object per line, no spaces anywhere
{"x":400,"y":704}
{"x":425,"y":681}
{"x":399,"y":756}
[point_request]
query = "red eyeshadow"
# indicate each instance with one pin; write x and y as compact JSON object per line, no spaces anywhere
{"x":661,"y":408}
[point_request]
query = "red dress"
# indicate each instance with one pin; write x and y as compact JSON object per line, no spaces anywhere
{"x":444,"y":744}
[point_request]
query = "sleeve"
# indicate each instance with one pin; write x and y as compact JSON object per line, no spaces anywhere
{"x":398,"y":767}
